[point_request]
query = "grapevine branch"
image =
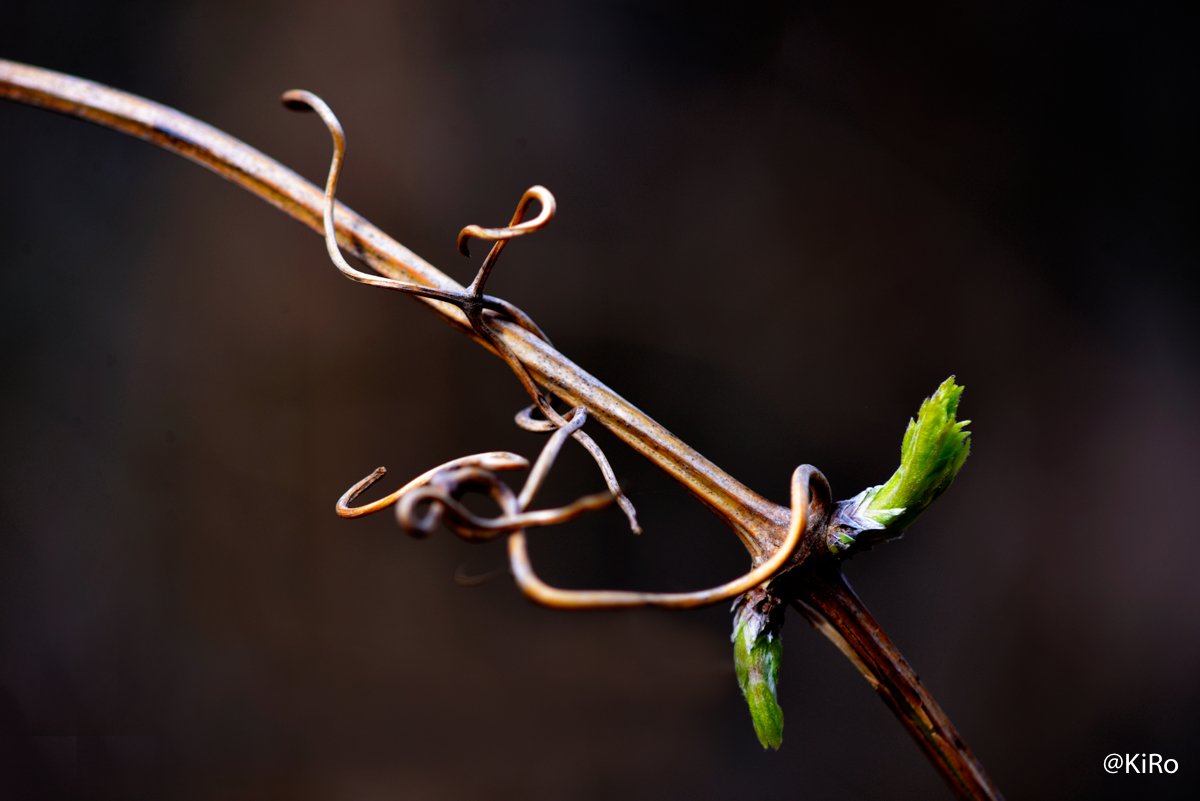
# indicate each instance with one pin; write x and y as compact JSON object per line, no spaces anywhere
{"x":796,"y":553}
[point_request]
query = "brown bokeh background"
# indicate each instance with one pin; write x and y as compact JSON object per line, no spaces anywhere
{"x":779,"y":228}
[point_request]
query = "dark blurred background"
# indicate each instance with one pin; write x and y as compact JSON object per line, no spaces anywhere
{"x":780,"y":227}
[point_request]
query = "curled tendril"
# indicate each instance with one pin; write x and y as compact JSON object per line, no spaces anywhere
{"x":476,"y":306}
{"x":492,"y":460}
{"x":435,"y":497}
{"x":444,"y":507}
{"x":537,"y":590}
{"x":525,"y":420}
{"x":519,"y":226}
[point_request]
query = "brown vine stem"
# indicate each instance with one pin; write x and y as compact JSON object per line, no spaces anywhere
{"x":833,"y":609}
{"x":761,"y":525}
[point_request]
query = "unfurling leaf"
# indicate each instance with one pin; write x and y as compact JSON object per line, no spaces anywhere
{"x":934,"y":449}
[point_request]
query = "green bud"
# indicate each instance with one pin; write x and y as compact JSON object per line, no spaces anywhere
{"x":934,"y":449}
{"x":756,"y":657}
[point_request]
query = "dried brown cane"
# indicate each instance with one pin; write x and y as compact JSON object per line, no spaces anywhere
{"x":811,"y":578}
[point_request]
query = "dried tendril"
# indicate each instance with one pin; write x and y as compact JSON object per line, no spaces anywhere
{"x":435,"y":497}
{"x":476,"y":306}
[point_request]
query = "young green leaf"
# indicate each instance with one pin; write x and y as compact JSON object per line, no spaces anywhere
{"x":934,"y":449}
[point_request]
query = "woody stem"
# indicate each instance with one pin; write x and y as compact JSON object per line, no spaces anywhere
{"x":834,"y":610}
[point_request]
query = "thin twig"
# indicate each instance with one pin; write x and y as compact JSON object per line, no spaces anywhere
{"x":761,"y":525}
